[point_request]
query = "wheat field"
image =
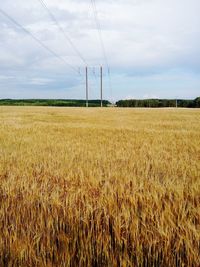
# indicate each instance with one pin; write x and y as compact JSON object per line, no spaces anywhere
{"x":99,"y":187}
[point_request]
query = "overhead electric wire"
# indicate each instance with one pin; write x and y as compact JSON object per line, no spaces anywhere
{"x":66,"y":36}
{"x":99,"y":30}
{"x":94,"y":7}
{"x":94,"y":73}
{"x":53,"y":18}
{"x":36,"y":39}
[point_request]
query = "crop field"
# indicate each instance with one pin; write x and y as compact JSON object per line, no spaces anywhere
{"x":98,"y":187}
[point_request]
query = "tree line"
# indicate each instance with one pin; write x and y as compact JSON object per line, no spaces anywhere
{"x":151,"y":103}
{"x":51,"y":102}
{"x":159,"y":103}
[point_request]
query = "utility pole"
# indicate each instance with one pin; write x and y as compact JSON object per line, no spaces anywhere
{"x":86,"y":76}
{"x":176,"y":103}
{"x":101,"y":81}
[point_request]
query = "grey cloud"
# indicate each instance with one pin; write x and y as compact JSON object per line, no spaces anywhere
{"x":141,"y":38}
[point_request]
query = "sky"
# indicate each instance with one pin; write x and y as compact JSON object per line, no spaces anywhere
{"x":151,"y":48}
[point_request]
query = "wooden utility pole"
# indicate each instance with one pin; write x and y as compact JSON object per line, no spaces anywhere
{"x":101,"y":81}
{"x":86,"y":76}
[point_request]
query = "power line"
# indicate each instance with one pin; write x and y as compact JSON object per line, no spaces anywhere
{"x":99,"y":30}
{"x":63,"y":32}
{"x":94,"y":7}
{"x":36,"y":39}
{"x":94,"y":73}
{"x":66,"y":36}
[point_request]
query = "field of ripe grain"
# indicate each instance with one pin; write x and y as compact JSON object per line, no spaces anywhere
{"x":99,"y":187}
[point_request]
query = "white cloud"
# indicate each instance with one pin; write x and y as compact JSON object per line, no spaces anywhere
{"x":6,"y":77}
{"x":40,"y":81}
{"x":141,"y":37}
{"x":150,"y":96}
{"x":129,"y":97}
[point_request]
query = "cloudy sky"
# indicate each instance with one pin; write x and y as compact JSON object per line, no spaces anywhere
{"x":152,"y":48}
